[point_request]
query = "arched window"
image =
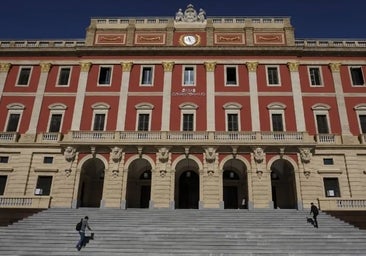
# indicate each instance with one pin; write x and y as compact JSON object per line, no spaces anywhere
{"x":321,"y":116}
{"x":277,"y":116}
{"x":15,"y":112}
{"x":232,"y":116}
{"x":100,"y":114}
{"x":143,"y":119}
{"x":188,"y":116}
{"x":55,"y":119}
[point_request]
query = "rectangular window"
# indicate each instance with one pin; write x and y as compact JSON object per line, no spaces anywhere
{"x":64,"y":76}
{"x":273,"y":76}
{"x":13,"y":123}
{"x":277,"y":123}
{"x":147,"y":76}
{"x":24,"y":76}
{"x":48,"y":160}
{"x":55,"y":123}
{"x":4,"y":159}
{"x":99,"y":120}
{"x":322,"y":124}
{"x":43,"y":187}
{"x":3,"y":179}
{"x":231,"y":76}
{"x":357,"y":76}
{"x":315,"y":76}
{"x":143,"y":123}
{"x":331,"y":186}
{"x":232,"y":122}
{"x":362,"y":123}
{"x":328,"y":161}
{"x":188,"y":76}
{"x":187,"y":122}
{"x":105,"y":75}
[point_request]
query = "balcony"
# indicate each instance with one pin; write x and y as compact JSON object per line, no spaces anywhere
{"x":8,"y":137}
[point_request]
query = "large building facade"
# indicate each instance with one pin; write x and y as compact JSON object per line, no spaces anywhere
{"x":188,"y":111}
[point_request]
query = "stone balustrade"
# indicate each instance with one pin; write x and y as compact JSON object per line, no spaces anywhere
{"x":34,"y":202}
{"x":336,"y":204}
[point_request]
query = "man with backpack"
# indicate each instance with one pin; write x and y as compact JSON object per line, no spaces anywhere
{"x":314,"y":210}
{"x":81,"y":227}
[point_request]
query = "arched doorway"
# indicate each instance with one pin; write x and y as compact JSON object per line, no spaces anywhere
{"x":283,"y":185}
{"x":139,"y":184}
{"x":187,"y":185}
{"x":235,"y":188}
{"x":91,"y":183}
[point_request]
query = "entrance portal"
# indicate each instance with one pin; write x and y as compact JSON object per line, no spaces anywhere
{"x":283,"y":185}
{"x":139,"y":184}
{"x":235,"y":188}
{"x":91,"y":183}
{"x":187,"y":185}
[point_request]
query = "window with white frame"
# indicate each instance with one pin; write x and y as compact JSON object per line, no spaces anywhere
{"x":277,"y":117}
{"x":188,"y":116}
{"x":189,"y":77}
{"x":147,"y":75}
{"x":43,"y":187}
{"x":100,"y":112}
{"x":361,"y":114}
{"x":24,"y":76}
{"x":315,"y":76}
{"x":273,"y":75}
{"x":331,"y":187}
{"x":15,"y":112}
{"x":143,"y":120}
{"x":105,"y":75}
{"x":321,"y":115}
{"x":63,"y":76}
{"x":232,"y":116}
{"x":357,"y":77}
{"x":231,"y":76}
{"x":56,"y":117}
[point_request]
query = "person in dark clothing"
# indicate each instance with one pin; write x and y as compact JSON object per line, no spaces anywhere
{"x":84,"y":226}
{"x":314,"y":210}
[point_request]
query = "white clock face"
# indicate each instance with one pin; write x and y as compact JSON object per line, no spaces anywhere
{"x":189,"y":40}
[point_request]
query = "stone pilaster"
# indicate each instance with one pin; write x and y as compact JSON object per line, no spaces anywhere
{"x":167,"y":95}
{"x":297,"y":96}
{"x":45,"y":68}
{"x":210,"y":95}
{"x":253,"y":89}
{"x":79,"y":101}
{"x":123,"y":93}
{"x":4,"y":69}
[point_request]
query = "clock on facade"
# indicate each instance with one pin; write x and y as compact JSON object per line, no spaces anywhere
{"x":190,"y":40}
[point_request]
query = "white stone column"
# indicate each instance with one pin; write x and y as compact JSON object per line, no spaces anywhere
{"x":297,"y":96}
{"x":4,"y":69}
{"x":80,"y":95}
{"x":45,"y":68}
{"x":123,"y":95}
{"x":210,"y":95}
{"x":343,"y":117}
{"x":167,"y":96}
{"x":253,"y":90}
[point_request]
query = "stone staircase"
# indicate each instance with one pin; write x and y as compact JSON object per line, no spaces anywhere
{"x":182,"y":232}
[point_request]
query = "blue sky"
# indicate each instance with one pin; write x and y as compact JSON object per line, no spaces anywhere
{"x":68,"y":19}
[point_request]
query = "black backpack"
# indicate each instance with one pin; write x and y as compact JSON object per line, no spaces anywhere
{"x":78,"y":226}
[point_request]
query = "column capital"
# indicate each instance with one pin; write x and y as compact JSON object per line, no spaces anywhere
{"x":335,"y":67}
{"x":293,"y":66}
{"x":4,"y":67}
{"x":252,"y":66}
{"x":126,"y":66}
{"x":168,"y":66}
{"x":45,"y":67}
{"x":85,"y":66}
{"x":210,"y":66}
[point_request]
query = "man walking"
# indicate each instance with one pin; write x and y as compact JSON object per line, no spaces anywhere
{"x":84,"y":225}
{"x":314,"y":210}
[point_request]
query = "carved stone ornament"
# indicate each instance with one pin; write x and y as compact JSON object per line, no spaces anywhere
{"x":69,"y":154}
{"x":305,"y":154}
{"x":307,"y":174}
{"x":190,"y":15}
{"x":116,"y":154}
{"x":68,"y":172}
{"x":210,"y":154}
{"x":115,"y":173}
{"x":163,"y":154}
{"x":163,"y":173}
{"x":258,"y":154}
{"x":259,"y":173}
{"x":210,"y":173}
